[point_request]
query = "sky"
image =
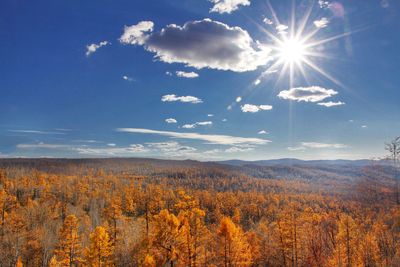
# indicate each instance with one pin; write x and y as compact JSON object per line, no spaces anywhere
{"x":199,"y":79}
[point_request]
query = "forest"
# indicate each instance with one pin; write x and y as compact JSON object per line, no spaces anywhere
{"x":143,"y":212}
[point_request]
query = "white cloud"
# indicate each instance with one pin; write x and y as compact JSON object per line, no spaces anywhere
{"x":236,"y":149}
{"x":229,"y":107}
{"x":331,"y":104}
{"x":111,"y":144}
{"x":224,"y":120}
{"x":322,"y":145}
{"x":194,"y":125}
{"x":238,"y":99}
{"x":316,"y":145}
{"x":227,"y":6}
{"x":268,"y":21}
{"x":127,"y":78}
{"x":86,"y":141}
{"x":200,"y":44}
{"x":281,"y":29}
{"x":296,"y":148}
{"x":307,"y":94}
{"x":137,"y":34}
{"x":184,"y":99}
{"x":211,"y":139}
{"x":323,"y":4}
{"x":189,"y":126}
{"x":90,"y":49}
{"x":204,"y":123}
{"x":210,"y":115}
{"x":168,"y":73}
{"x":364,"y":126}
{"x":321,"y":23}
{"x":270,"y":71}
{"x":170,"y":120}
{"x":189,"y":75}
{"x":262,"y":132}
{"x":257,"y":82}
{"x":254,"y":108}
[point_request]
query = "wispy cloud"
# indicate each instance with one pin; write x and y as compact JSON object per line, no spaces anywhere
{"x":171,"y":148}
{"x":112,"y":151}
{"x":189,"y":75}
{"x":227,"y":6}
{"x":211,"y":139}
{"x":331,"y":104}
{"x":254,"y":108}
{"x":42,"y":146}
{"x":34,"y":132}
{"x":185,"y":99}
{"x":262,"y":132}
{"x":199,"y":44}
{"x":316,"y":145}
{"x":86,"y":141}
{"x":90,"y":49}
{"x":307,"y":94}
{"x":194,"y":125}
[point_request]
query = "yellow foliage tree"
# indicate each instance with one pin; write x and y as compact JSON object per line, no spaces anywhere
{"x":167,"y":238}
{"x":69,"y":249}
{"x":195,"y":231}
{"x":233,"y":246}
{"x":100,"y":251}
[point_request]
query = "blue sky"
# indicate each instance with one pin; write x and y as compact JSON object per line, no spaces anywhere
{"x":199,"y":79}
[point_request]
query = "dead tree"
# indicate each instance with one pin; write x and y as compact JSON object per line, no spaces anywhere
{"x":394,"y":149}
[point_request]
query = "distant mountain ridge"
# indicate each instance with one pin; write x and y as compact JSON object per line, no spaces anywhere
{"x":294,"y":161}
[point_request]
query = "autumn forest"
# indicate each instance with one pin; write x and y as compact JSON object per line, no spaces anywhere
{"x":131,"y":212}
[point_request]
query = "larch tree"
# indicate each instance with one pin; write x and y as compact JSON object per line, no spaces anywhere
{"x":195,"y":231}
{"x":167,"y":238}
{"x":100,"y":250}
{"x":69,"y":250}
{"x":233,"y":246}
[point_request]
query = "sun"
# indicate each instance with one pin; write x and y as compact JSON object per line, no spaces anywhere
{"x":297,"y":49}
{"x":292,"y":51}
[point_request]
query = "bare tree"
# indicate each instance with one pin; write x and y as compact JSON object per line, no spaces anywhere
{"x":394,"y":149}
